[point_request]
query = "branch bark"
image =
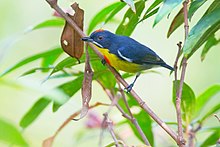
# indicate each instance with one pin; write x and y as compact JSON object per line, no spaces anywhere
{"x":143,"y":105}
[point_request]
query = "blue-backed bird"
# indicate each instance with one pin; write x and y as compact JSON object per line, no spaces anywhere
{"x":124,"y":53}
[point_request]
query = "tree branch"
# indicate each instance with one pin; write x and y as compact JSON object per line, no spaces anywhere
{"x":181,"y":141}
{"x":53,"y":4}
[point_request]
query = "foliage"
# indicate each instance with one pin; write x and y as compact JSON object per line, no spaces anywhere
{"x":203,"y":32}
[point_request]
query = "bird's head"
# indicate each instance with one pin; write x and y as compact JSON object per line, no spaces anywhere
{"x":101,"y":38}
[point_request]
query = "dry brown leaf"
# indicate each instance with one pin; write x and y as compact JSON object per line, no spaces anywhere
{"x":70,"y":40}
{"x":86,"y":87}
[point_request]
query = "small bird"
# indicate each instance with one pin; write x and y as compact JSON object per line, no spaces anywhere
{"x":124,"y":53}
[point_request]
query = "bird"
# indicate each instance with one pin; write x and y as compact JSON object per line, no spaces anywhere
{"x":125,"y":54}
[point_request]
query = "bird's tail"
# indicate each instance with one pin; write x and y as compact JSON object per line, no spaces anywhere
{"x":168,"y":67}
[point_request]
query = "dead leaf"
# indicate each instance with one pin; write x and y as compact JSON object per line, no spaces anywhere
{"x":70,"y":40}
{"x":86,"y":87}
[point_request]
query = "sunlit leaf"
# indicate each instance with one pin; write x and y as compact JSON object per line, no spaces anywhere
{"x":69,"y":88}
{"x":130,"y":3}
{"x":205,"y":97}
{"x":102,"y":15}
{"x":165,"y":9}
{"x":188,"y":101}
{"x":11,"y":135}
{"x":177,"y":22}
{"x":57,"y":22}
{"x":34,"y":112}
{"x":211,"y":140}
{"x":130,"y":20}
{"x":212,"y":41}
{"x":212,"y":110}
{"x":70,"y":40}
{"x":206,"y":26}
{"x":46,"y":54}
{"x":194,"y":6}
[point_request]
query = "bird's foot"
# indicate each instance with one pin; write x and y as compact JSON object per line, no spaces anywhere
{"x":103,"y":61}
{"x":129,"y":88}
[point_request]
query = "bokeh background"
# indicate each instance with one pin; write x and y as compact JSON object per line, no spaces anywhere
{"x":17,"y":94}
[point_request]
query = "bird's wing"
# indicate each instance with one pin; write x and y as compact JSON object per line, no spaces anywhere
{"x":142,"y":55}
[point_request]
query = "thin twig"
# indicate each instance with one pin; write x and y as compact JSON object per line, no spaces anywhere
{"x":133,"y":120}
{"x":107,"y":122}
{"x":177,"y":59}
{"x":181,"y":141}
{"x":142,"y":104}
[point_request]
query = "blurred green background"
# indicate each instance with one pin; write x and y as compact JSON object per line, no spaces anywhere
{"x":156,"y":89}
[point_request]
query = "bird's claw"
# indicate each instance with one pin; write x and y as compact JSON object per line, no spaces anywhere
{"x":103,"y":61}
{"x":129,"y":88}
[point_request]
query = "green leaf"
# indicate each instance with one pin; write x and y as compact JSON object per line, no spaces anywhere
{"x":210,"y":112}
{"x":69,"y":62}
{"x":188,"y":101}
{"x":154,"y":5}
{"x":49,"y":61}
{"x":206,"y":26}
{"x":10,"y":134}
{"x":34,"y":112}
{"x":212,"y":41}
{"x":31,"y":71}
{"x":211,"y":140}
{"x":33,"y":58}
{"x":165,"y":9}
{"x":103,"y":75}
{"x":148,"y":15}
{"x":142,"y":118}
{"x":215,"y":5}
{"x":177,"y":22}
{"x":130,"y":3}
{"x":194,"y":6}
{"x":151,"y":11}
{"x":114,"y":12}
{"x":102,"y":15}
{"x":69,"y":88}
{"x":145,"y":123}
{"x":205,"y":97}
{"x":130,"y":20}
{"x":57,"y":22}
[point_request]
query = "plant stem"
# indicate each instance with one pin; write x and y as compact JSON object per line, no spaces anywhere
{"x":142,"y":104}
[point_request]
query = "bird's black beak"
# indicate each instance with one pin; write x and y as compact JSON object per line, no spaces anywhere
{"x":87,"y":39}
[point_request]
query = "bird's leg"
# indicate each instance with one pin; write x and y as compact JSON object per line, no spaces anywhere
{"x":103,"y":61}
{"x":128,"y":89}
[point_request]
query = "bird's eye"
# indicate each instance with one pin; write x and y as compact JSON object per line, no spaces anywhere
{"x":100,"y":37}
